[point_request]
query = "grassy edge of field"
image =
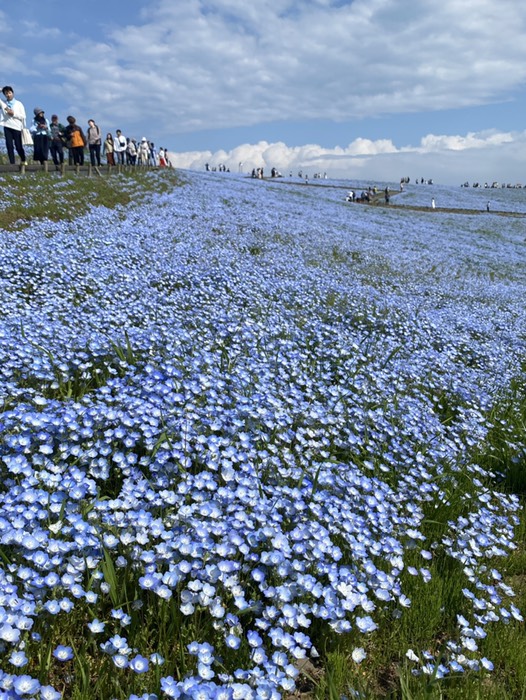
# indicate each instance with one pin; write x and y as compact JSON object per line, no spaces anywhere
{"x":39,"y":196}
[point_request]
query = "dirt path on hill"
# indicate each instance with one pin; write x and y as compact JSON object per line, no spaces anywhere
{"x":450,"y":210}
{"x":378,"y":200}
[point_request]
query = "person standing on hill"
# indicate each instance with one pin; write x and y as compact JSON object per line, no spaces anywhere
{"x":144,"y":151}
{"x":94,"y":142}
{"x":119,"y":146}
{"x":152,"y":160}
{"x":131,"y":152}
{"x":56,"y":145}
{"x":76,"y":140}
{"x":109,"y":149}
{"x":13,"y":116}
{"x":41,"y":135}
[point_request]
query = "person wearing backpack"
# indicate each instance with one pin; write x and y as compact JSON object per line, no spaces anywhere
{"x":94,"y":142}
{"x":76,"y":141}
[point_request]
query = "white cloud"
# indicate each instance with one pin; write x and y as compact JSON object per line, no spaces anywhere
{"x":32,"y":30}
{"x":433,"y":143}
{"x":447,"y":159}
{"x":207,"y":64}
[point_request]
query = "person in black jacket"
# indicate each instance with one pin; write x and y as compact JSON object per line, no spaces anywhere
{"x":56,"y":144}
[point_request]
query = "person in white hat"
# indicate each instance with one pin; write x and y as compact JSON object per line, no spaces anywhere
{"x":144,"y":151}
{"x":41,"y":132}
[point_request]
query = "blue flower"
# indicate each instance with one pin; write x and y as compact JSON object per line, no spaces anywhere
{"x":26,"y":685}
{"x":139,"y":664}
{"x":358,"y":654}
{"x":120,"y":660}
{"x":9,"y":633}
{"x":96,"y":626}
{"x":365,"y":624}
{"x":18,"y":658}
{"x":254,"y":639}
{"x":487,"y":664}
{"x":63,"y":653}
{"x":232,"y":641}
{"x":170,"y":687}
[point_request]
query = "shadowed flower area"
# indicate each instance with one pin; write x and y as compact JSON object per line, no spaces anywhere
{"x":238,"y":420}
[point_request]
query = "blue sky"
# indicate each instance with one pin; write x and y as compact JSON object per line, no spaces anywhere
{"x":356,"y":88}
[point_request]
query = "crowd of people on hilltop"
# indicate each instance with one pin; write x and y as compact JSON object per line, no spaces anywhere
{"x":495,"y":185}
{"x":219,"y":168}
{"x":52,"y":138}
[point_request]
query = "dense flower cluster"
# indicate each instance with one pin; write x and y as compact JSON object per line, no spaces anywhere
{"x":231,"y":411}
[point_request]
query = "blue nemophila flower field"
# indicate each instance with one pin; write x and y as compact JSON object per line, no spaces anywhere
{"x":241,"y":423}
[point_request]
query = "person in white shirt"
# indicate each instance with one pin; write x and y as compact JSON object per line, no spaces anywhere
{"x":144,"y":151}
{"x":13,"y":117}
{"x":119,"y":144}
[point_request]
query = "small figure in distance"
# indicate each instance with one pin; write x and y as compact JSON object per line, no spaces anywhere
{"x":433,"y":205}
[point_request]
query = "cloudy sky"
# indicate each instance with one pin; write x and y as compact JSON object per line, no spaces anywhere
{"x":369,"y":89}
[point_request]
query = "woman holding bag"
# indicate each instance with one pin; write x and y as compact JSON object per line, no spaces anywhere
{"x":14,"y":120}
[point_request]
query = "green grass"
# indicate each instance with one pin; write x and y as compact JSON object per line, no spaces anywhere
{"x":41,"y":195}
